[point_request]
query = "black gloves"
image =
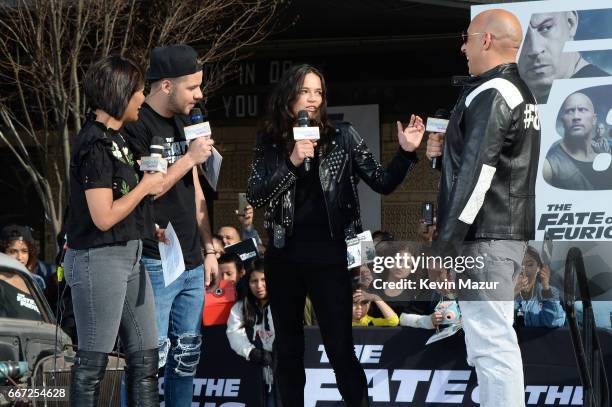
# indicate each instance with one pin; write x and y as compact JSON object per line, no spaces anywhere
{"x":261,"y":357}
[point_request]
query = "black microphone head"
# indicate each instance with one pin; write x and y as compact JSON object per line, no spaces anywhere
{"x":442,"y":114}
{"x":157,"y":146}
{"x":196,"y":116}
{"x":302,"y":118}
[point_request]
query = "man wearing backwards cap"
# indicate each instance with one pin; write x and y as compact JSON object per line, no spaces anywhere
{"x":175,"y":78}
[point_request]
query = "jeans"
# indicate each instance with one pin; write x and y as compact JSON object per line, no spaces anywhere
{"x":490,"y":339}
{"x":329,"y":288}
{"x":179,"y":322}
{"x":111,"y":294}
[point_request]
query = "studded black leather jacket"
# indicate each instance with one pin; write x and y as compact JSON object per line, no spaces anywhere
{"x":272,"y":182}
{"x":490,"y":161}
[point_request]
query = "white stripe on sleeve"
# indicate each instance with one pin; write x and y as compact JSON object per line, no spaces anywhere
{"x":478,"y":195}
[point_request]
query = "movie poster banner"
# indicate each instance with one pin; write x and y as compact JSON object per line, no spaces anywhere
{"x":566,"y":60}
{"x":401,"y":370}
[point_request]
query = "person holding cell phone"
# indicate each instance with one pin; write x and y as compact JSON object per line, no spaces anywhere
{"x":537,"y":303}
{"x":245,"y":217}
{"x":308,"y":216}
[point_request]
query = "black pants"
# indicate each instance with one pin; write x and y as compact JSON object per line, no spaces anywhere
{"x":329,"y":288}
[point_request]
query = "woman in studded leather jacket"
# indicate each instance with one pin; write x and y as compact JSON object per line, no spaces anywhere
{"x":308,"y":215}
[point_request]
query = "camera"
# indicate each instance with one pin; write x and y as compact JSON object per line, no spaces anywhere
{"x":450,"y":312}
{"x":427,"y":214}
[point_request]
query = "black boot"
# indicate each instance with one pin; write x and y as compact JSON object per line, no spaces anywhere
{"x":87,"y":373}
{"x":141,"y":378}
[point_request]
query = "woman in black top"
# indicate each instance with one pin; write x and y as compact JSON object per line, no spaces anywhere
{"x":106,"y":220}
{"x":308,"y":216}
{"x":16,"y":300}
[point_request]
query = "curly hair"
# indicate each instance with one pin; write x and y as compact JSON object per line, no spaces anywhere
{"x":32,"y":251}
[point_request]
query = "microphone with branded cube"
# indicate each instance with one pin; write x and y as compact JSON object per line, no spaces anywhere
{"x":200,"y":128}
{"x":305,"y":132}
{"x":155,"y":161}
{"x":437,"y":124}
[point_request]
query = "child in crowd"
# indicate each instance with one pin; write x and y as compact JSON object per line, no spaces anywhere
{"x":231,"y":267}
{"x":361,"y":305}
{"x":250,"y":329}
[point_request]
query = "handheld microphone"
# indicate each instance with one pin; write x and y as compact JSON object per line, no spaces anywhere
{"x":196,"y":116}
{"x":157,"y":146}
{"x":198,"y":127}
{"x":444,"y":114}
{"x":303,"y":122}
{"x":154,"y":162}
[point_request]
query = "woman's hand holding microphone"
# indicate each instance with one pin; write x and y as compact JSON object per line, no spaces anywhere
{"x":301,"y":150}
{"x":153,"y":182}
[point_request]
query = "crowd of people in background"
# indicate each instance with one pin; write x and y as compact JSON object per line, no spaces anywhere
{"x":250,"y":328}
{"x":538,"y":302}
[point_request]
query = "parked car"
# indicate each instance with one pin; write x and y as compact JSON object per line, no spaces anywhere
{"x":28,"y":331}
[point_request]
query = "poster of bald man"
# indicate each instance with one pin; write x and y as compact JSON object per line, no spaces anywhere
{"x":550,"y":51}
{"x":566,"y":61}
{"x":572,"y":45}
{"x":580,"y":159}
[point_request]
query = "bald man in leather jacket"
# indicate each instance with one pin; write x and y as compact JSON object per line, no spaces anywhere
{"x":486,"y":204}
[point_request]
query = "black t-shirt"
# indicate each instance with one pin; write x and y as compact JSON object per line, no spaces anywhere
{"x":310,"y":222}
{"x":17,"y":304}
{"x":572,"y":174}
{"x":311,"y":241}
{"x":178,"y":204}
{"x":101,"y":159}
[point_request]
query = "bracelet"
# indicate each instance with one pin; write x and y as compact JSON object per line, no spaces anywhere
{"x":207,"y":253}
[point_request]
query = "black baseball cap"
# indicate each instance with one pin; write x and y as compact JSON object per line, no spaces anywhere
{"x":172,"y":61}
{"x":15,"y":232}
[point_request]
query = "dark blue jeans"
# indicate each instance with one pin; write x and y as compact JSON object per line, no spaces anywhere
{"x":179,"y":321}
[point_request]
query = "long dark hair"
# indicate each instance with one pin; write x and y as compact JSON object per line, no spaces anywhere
{"x":250,"y":304}
{"x":279,"y":119}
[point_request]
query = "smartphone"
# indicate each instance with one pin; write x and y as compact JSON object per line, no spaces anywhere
{"x":547,"y":248}
{"x":242,"y":203}
{"x":427,"y":213}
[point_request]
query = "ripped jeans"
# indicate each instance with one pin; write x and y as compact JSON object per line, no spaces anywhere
{"x":179,"y":321}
